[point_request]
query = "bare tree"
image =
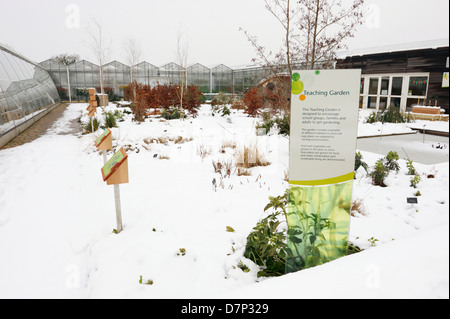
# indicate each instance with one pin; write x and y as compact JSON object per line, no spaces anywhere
{"x":132,"y":50}
{"x":67,"y":60}
{"x":313,"y":31}
{"x":322,"y":26}
{"x":284,"y":12}
{"x":100,"y":47}
{"x":182,"y":54}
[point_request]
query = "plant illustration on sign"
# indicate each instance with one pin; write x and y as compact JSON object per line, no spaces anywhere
{"x":318,"y":222}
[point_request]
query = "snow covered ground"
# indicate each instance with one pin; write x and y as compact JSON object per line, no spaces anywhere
{"x":57,"y":218}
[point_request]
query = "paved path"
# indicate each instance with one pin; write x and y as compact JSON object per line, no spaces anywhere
{"x":39,"y":128}
{"x":412,"y":146}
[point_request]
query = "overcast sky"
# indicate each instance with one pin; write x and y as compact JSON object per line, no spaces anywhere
{"x":40,"y":29}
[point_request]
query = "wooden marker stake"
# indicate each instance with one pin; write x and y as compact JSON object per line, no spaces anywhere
{"x":115,"y":172}
{"x":104,"y":143}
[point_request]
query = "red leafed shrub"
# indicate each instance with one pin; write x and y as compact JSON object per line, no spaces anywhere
{"x":253,"y":100}
{"x":192,"y":99}
{"x":141,"y":104}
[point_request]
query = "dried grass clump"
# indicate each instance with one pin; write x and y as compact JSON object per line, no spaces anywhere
{"x":250,"y":156}
{"x":358,"y":208}
{"x":228,"y":144}
{"x":203,"y":151}
{"x":224,"y":168}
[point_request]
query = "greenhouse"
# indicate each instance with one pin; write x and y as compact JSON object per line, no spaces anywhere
{"x":27,"y":92}
{"x":211,"y":80}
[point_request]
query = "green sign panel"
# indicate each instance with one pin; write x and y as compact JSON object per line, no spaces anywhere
{"x":113,"y":164}
{"x":100,"y":139}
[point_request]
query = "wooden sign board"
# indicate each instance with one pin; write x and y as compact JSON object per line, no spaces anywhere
{"x":92,"y":112}
{"x":104,"y":141}
{"x":115,"y":170}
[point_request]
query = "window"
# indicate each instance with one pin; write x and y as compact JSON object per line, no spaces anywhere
{"x":397,"y":84}
{"x":418,"y":86}
{"x":384,"y":85}
{"x":373,"y":86}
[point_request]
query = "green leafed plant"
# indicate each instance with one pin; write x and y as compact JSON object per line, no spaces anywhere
{"x":88,"y":127}
{"x":415,"y":180}
{"x":266,"y":245}
{"x":360,"y":163}
{"x":379,"y":173}
{"x":391,"y":161}
{"x":110,"y":120}
{"x":411,"y":169}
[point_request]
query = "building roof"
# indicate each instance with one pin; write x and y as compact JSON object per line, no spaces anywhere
{"x":399,"y":47}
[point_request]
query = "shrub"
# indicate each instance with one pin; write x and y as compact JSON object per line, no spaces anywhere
{"x":372,"y":118}
{"x":171,"y":114}
{"x":360,"y":163}
{"x":253,"y":101}
{"x":284,"y":124}
{"x":392,"y":115}
{"x":192,"y":99}
{"x":110,"y":120}
{"x":411,"y":169}
{"x":379,"y":174}
{"x":391,"y":161}
{"x":88,"y":127}
{"x":415,"y":180}
{"x":220,"y":99}
{"x":266,"y":245}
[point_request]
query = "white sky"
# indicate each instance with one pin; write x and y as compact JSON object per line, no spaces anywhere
{"x":38,"y":29}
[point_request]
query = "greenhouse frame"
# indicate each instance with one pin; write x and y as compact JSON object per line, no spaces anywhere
{"x":27,"y":93}
{"x":117,"y":76}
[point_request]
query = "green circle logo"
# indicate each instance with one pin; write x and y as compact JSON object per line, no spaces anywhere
{"x":297,"y":85}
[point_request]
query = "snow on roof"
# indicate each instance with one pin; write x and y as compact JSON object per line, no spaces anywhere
{"x":430,"y":44}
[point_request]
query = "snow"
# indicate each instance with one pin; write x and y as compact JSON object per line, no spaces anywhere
{"x":57,"y":218}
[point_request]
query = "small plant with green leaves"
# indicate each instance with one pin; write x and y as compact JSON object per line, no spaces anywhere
{"x":225,"y":111}
{"x":148,"y":282}
{"x":379,"y":173}
{"x":373,"y":117}
{"x":391,"y":161}
{"x":360,"y":163}
{"x":373,"y":241}
{"x":110,"y":120}
{"x":392,"y":115}
{"x":415,"y":180}
{"x":181,"y":252}
{"x":417,"y":194}
{"x":171,"y":114}
{"x":243,"y":266}
{"x":88,"y":126}
{"x":266,"y":245}
{"x":411,"y":168}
